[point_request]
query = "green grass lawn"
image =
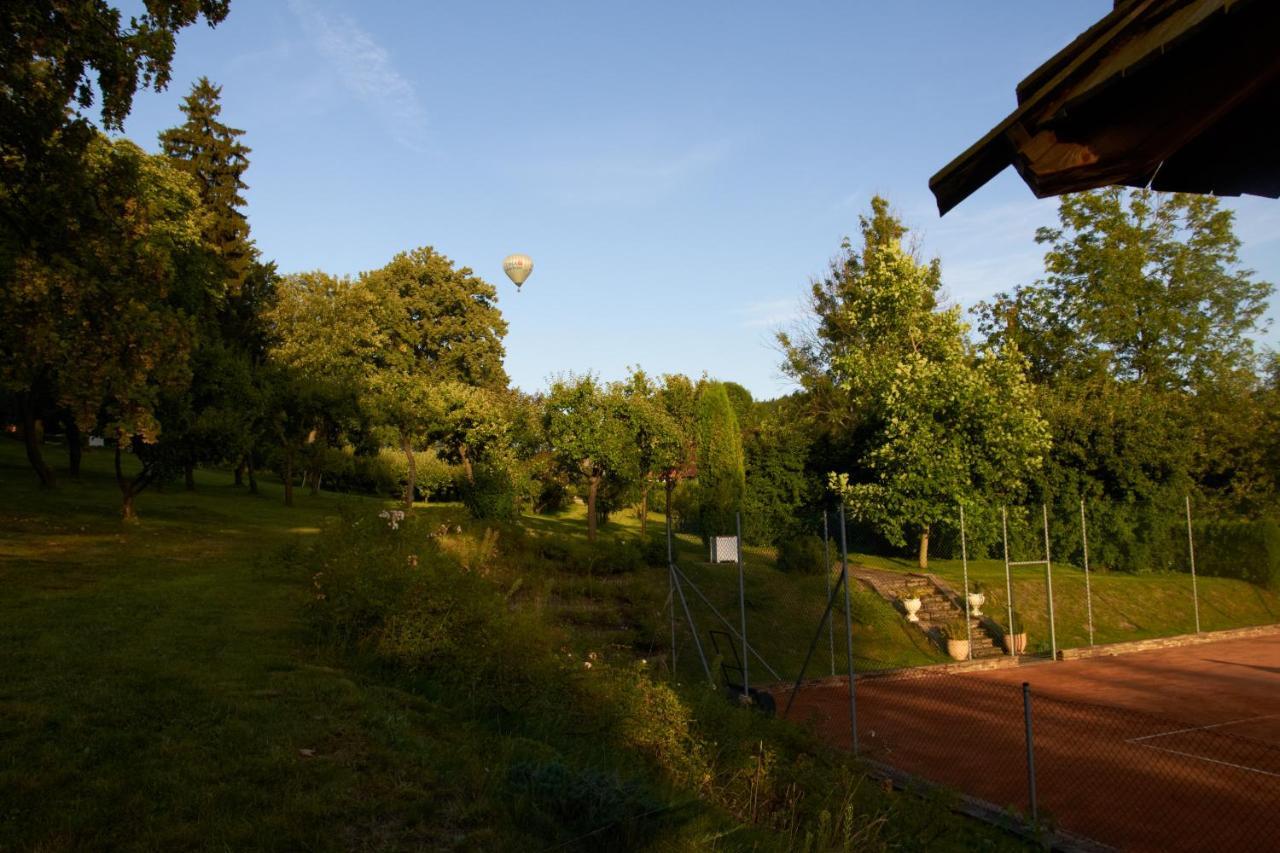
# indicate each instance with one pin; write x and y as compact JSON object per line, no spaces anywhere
{"x":162,"y":690}
{"x":1125,"y":606}
{"x":159,"y":691}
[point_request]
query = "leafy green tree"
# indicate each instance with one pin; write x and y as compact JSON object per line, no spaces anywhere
{"x":678,"y":397}
{"x":55,"y":58}
{"x":1140,"y":341}
{"x":934,"y":422}
{"x":139,"y":283}
{"x":779,"y":487}
{"x":659,"y":443}
{"x":590,"y":433}
{"x":721,"y":469}
{"x":325,"y":330}
{"x":1140,"y":286}
{"x":443,"y":326}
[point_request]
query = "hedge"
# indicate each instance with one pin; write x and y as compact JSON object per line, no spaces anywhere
{"x":1246,"y":550}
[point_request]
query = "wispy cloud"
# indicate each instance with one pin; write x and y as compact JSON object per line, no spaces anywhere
{"x":629,"y":174}
{"x":985,"y":251}
{"x":366,"y":70}
{"x":771,"y":313}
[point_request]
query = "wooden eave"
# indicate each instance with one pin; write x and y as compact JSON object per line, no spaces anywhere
{"x":1175,"y":94}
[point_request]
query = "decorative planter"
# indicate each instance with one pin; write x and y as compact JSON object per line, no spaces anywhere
{"x":912,"y":606}
{"x":1019,"y":643}
{"x":958,"y":649}
{"x":976,"y":600}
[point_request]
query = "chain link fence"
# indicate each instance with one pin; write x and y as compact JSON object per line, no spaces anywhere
{"x":792,"y":640}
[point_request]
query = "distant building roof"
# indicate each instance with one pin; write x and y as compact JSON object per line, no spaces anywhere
{"x":1179,"y":95}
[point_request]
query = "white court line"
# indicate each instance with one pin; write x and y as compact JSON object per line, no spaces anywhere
{"x":1214,"y":760}
{"x":1200,"y":728}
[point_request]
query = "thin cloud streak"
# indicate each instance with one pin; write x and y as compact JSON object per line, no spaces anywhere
{"x":366,"y":71}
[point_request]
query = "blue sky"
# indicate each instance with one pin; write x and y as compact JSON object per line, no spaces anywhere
{"x":677,"y":171}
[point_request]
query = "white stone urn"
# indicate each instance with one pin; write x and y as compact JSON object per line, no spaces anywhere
{"x":958,"y":648}
{"x":976,"y":600}
{"x":912,"y":606}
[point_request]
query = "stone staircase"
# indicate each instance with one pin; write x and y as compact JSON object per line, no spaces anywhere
{"x":940,"y":606}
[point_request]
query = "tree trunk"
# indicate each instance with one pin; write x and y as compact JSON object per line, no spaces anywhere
{"x":314,"y":481}
{"x":33,"y":437}
{"x":288,"y":477}
{"x":465,"y":455}
{"x":74,"y":450}
{"x":128,"y":489}
{"x":412,"y":484}
{"x":924,"y":548}
{"x":189,"y":475}
{"x":240,"y":471}
{"x":671,"y":485}
{"x":593,"y":488}
{"x":644,"y":509}
{"x":253,"y":480}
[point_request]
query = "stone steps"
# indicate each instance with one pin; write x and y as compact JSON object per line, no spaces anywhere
{"x":940,"y":608}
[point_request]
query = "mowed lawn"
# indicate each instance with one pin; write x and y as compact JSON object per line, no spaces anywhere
{"x":158,"y":691}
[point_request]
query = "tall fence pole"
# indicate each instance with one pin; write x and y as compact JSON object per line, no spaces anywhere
{"x":671,"y":586}
{"x":1088,"y":593}
{"x":964,"y":562}
{"x":1191,"y":552}
{"x":826,"y":570}
{"x":1048,"y":577}
{"x":742,"y":608}
{"x":848,"y":631}
{"x":1008,"y":581}
{"x":1031,"y":754}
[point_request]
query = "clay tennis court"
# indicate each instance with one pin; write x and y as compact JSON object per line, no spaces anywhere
{"x":1173,"y":749}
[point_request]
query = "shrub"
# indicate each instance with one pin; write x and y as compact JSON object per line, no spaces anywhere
{"x":1246,"y":550}
{"x":602,"y":558}
{"x":577,"y":803}
{"x":491,"y":495}
{"x":801,"y":555}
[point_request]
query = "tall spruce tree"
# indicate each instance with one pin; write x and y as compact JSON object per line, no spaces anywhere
{"x":212,"y":153}
{"x":217,"y":417}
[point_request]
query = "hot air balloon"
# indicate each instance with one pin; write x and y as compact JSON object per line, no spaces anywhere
{"x":517,"y":267}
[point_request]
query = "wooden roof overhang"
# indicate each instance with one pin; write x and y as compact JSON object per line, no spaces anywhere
{"x":1178,"y":95}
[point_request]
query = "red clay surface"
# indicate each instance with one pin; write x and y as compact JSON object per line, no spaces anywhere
{"x":1164,"y":750}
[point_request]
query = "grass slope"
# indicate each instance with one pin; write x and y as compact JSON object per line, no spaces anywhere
{"x":162,"y":689}
{"x":1125,"y":606}
{"x":784,"y":611}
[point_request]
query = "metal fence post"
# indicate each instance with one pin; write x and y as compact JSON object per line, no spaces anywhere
{"x":742,"y":609}
{"x":964,"y":562}
{"x":671,"y":588}
{"x":1008,"y":582}
{"x":1191,"y":552}
{"x":1031,"y":754}
{"x":848,"y":630}
{"x":1048,"y":577}
{"x":826,"y":570}
{"x":1088,"y":593}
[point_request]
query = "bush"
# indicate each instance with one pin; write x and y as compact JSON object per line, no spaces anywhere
{"x":576,"y":803}
{"x":801,"y":555}
{"x":491,"y":495}
{"x":602,"y":558}
{"x":1246,"y":550}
